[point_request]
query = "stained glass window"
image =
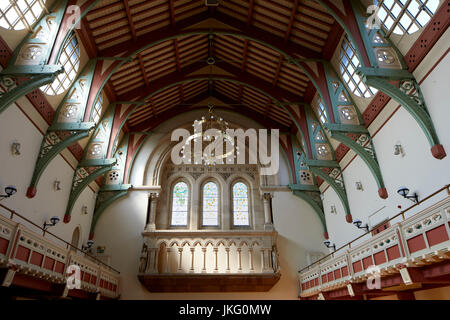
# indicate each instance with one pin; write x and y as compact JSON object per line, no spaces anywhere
{"x":210,"y":214}
{"x":403,"y":16}
{"x":240,"y":205}
{"x":70,"y":59}
{"x":20,"y":14}
{"x":180,"y":199}
{"x":348,"y":66}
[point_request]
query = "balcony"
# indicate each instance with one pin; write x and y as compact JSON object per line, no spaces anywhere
{"x":209,"y":261}
{"x":410,"y":254}
{"x":29,"y":260}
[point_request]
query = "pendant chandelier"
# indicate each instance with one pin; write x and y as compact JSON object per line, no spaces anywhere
{"x":212,"y":145}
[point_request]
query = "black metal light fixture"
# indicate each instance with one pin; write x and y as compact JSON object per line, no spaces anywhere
{"x":358,"y":224}
{"x":403,"y":191}
{"x":9,"y":191}
{"x":88,"y":245}
{"x":327,"y":243}
{"x":53,"y":221}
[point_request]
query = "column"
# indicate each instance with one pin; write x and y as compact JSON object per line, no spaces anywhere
{"x":168,"y":251}
{"x":180,"y":259}
{"x":250,"y":252}
{"x":192,"y":259}
{"x":153,"y":201}
{"x":239,"y":251}
{"x":204,"y":260}
{"x":216,"y":267}
{"x":227,"y":250}
{"x":267,"y":198}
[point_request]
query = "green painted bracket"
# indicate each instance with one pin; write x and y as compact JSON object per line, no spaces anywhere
{"x":345,"y":128}
{"x":322,"y":163}
{"x":303,"y":187}
{"x":83,"y":126}
{"x":340,"y":191}
{"x":76,"y":191}
{"x":392,"y":74}
{"x":417,"y":111}
{"x":112,"y":196}
{"x":316,"y":207}
{"x":44,"y":159}
{"x":367,"y":157}
{"x":36,"y":81}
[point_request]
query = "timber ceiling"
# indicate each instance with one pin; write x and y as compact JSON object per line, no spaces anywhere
{"x":117,"y":25}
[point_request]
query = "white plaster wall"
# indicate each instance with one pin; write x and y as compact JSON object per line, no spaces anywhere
{"x":18,"y":170}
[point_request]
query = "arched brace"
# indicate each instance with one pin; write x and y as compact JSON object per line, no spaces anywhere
{"x":335,"y":180}
{"x":104,"y":200}
{"x":349,"y":128}
{"x":67,"y":126}
{"x":15,"y":87}
{"x":381,"y":62}
{"x":86,"y":172}
{"x":95,"y":162}
{"x":313,"y":199}
{"x":28,"y":69}
{"x":308,"y":193}
{"x":113,"y":187}
{"x":407,"y":92}
{"x":363,"y":147}
{"x":51,"y":146}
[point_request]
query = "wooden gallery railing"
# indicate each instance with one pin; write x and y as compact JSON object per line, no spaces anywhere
{"x":415,"y":241}
{"x":25,"y":251}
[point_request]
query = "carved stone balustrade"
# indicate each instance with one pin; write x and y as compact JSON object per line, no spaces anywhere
{"x":28,"y":258}
{"x":419,"y":241}
{"x":208,"y":261}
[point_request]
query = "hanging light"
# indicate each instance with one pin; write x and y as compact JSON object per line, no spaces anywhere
{"x":210,"y":121}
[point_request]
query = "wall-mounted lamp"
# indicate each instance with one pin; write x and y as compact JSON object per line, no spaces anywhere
{"x":359,"y":186}
{"x":358,"y":224}
{"x":88,"y":245}
{"x":15,"y":148}
{"x":53,"y":222}
{"x":327,"y":244}
{"x":398,"y":150}
{"x":9,"y":191}
{"x":84,"y":210}
{"x":333,"y":209}
{"x":403,"y":191}
{"x":57,"y":185}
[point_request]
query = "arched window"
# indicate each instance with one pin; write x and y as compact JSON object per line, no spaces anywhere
{"x":403,"y":16}
{"x":70,"y":59}
{"x":210,"y":206}
{"x":241,"y":215}
{"x":180,"y":200}
{"x":21,"y":14}
{"x":349,"y":62}
{"x":321,"y":113}
{"x":98,"y":108}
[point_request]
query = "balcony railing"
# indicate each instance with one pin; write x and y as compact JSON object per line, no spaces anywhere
{"x":26,"y":252}
{"x":416,"y":241}
{"x":213,"y":256}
